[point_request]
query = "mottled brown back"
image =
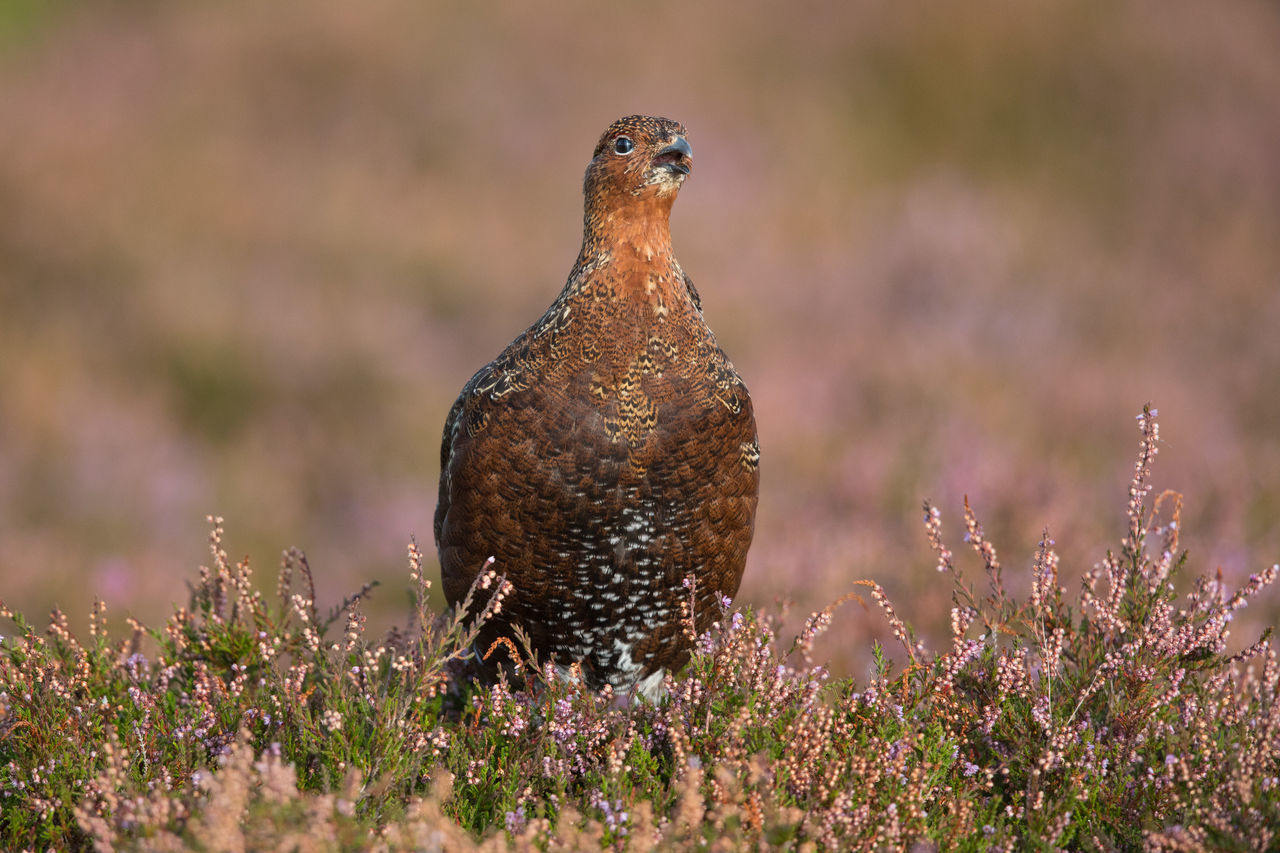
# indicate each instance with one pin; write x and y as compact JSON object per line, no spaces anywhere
{"x":610,"y":451}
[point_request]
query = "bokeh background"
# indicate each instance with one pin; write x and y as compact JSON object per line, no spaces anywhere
{"x":249,"y":253}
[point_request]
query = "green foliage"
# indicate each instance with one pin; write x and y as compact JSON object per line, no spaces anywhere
{"x":1116,"y":719}
{"x":22,"y":21}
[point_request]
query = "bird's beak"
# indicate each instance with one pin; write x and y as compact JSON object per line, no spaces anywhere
{"x":677,"y":156}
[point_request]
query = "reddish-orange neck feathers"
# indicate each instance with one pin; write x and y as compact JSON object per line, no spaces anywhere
{"x":638,"y":167}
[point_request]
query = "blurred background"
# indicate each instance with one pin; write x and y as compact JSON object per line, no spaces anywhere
{"x":249,"y":253}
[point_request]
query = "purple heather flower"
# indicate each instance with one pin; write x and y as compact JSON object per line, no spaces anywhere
{"x":516,"y":820}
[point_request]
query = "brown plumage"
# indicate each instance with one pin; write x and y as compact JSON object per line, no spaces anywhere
{"x":609,"y":453}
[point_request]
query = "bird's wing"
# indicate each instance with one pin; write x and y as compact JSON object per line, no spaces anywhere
{"x":451,"y":426}
{"x":693,"y":292}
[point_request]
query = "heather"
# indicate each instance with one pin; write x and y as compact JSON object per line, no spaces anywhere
{"x":1121,"y":715}
{"x":249,"y":252}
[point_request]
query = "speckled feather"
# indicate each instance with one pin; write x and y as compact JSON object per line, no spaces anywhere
{"x":610,"y":451}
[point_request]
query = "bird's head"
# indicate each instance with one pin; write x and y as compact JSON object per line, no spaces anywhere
{"x":638,"y":161}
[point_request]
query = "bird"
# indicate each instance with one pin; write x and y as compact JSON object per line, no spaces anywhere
{"x":606,"y":463}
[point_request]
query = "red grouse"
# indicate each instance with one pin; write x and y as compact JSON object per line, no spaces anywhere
{"x":608,"y":457}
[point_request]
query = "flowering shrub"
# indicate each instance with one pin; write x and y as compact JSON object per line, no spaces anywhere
{"x":1116,"y":719}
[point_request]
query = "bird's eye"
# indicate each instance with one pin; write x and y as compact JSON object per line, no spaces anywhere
{"x":623,"y":145}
